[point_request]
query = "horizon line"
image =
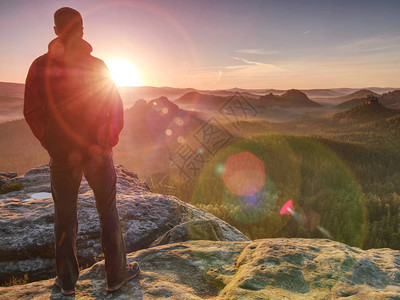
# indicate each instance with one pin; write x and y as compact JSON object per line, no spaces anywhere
{"x":240,"y":88}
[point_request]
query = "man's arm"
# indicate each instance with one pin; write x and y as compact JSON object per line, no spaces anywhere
{"x":33,"y":106}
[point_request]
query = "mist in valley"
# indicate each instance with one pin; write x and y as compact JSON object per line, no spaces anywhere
{"x":339,"y":154}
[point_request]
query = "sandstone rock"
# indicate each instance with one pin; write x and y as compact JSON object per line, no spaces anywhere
{"x":26,"y":232}
{"x":261,"y":269}
{"x":4,"y":177}
{"x":8,"y":174}
{"x":193,"y":230}
{"x":3,"y":180}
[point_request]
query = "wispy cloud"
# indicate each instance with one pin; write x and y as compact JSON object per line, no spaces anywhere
{"x":319,"y":73}
{"x":235,"y":74}
{"x":361,"y":62}
{"x":257,"y":63}
{"x":249,"y":61}
{"x":306,"y":32}
{"x":380,"y":43}
{"x":259,"y":51}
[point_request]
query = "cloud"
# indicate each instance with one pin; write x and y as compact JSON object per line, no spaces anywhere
{"x":249,"y":61}
{"x":381,"y":43}
{"x":360,"y":62}
{"x":318,"y":73}
{"x":306,"y":32}
{"x":243,"y":73}
{"x":258,"y":51}
{"x":256,"y":63}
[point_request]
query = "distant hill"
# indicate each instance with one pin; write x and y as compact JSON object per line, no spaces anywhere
{"x":354,"y":99}
{"x":350,"y":103}
{"x":391,"y":99}
{"x":258,"y":92}
{"x":11,"y":89}
{"x":153,"y":131}
{"x":229,"y":93}
{"x":290,"y":99}
{"x":367,"y":111}
{"x":130,"y":94}
{"x":198,"y":100}
{"x":322,"y":93}
{"x":390,"y":125}
{"x":11,"y":101}
{"x":357,"y":95}
{"x":159,"y":120}
{"x":11,"y":108}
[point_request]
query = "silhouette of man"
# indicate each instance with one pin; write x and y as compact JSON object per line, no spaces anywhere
{"x":73,"y":108}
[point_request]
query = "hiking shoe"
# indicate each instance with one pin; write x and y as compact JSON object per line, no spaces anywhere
{"x":64,"y":292}
{"x":132,"y":270}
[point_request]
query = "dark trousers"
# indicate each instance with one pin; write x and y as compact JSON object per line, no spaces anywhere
{"x":65,"y":181}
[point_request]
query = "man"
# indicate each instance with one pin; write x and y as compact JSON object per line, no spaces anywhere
{"x":75,"y":111}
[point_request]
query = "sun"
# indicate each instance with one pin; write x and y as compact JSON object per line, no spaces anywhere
{"x":123,"y":72}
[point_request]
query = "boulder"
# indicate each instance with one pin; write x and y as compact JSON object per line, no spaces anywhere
{"x":8,"y":174}
{"x":3,"y":180}
{"x":27,"y":216}
{"x":193,"y":230}
{"x":4,"y":177}
{"x":262,"y":269}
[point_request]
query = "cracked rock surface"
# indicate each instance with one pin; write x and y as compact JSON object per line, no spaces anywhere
{"x":262,"y":269}
{"x":26,"y":224}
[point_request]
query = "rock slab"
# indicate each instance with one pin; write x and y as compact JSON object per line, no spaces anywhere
{"x":26,"y":231}
{"x":261,"y":269}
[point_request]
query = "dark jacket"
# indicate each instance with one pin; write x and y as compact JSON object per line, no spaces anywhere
{"x":71,"y":103}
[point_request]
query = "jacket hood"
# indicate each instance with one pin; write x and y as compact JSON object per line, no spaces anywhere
{"x":66,"y":47}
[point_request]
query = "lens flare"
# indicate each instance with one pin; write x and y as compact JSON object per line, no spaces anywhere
{"x":165,"y":121}
{"x":306,"y":221}
{"x":178,"y":121}
{"x":287,"y":208}
{"x":325,"y":232}
{"x":244,"y":174}
{"x":305,"y":169}
{"x":219,"y":168}
{"x":181,"y":139}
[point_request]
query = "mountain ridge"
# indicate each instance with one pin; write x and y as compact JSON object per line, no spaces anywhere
{"x":358,"y":94}
{"x":369,"y":110}
{"x":291,"y":98}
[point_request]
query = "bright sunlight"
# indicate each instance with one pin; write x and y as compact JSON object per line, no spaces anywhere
{"x":124,"y":73}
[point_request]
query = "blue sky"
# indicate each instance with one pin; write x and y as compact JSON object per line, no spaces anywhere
{"x":221,"y":44}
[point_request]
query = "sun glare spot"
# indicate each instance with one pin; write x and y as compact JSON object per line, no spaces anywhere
{"x":287,"y":208}
{"x":219,"y":168}
{"x":178,"y":121}
{"x":244,"y":174}
{"x":124,"y":73}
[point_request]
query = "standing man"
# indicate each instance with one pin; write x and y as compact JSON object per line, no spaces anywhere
{"x":73,"y":108}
